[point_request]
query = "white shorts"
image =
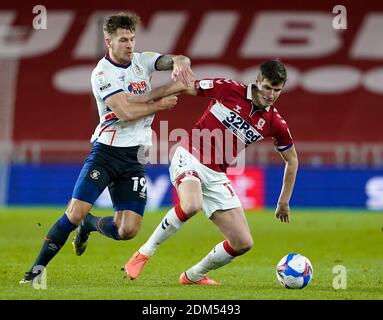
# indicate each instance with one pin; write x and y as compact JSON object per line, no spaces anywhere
{"x":217,"y":192}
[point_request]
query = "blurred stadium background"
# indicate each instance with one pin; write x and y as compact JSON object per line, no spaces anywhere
{"x":333,"y":100}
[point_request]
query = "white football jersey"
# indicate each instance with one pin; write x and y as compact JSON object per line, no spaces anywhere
{"x":109,"y":78}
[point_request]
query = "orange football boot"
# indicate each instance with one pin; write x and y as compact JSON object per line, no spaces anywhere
{"x":135,"y":264}
{"x":204,"y":281}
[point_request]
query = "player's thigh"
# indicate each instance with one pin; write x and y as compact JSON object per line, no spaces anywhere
{"x":94,"y":177}
{"x":185,"y":177}
{"x":129,"y":192}
{"x":233,"y":225}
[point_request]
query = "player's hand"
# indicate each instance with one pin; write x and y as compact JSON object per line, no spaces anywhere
{"x":182,"y":71}
{"x":283,"y":212}
{"x":167,"y":103}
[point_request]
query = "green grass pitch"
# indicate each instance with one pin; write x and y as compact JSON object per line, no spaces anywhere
{"x":352,"y":239}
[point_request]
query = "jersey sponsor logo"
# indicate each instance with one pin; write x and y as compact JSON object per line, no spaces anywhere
{"x":137,"y":87}
{"x":235,"y":123}
{"x":105,"y":87}
{"x":241,"y":128}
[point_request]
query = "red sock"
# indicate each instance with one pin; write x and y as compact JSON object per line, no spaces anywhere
{"x":229,"y":249}
{"x":180,"y":214}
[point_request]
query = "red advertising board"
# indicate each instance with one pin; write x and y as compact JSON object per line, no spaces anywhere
{"x":335,"y":84}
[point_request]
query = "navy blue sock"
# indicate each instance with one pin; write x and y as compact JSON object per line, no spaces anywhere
{"x":56,"y":238}
{"x":104,"y":225}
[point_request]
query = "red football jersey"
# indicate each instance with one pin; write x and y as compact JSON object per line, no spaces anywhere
{"x":231,"y":123}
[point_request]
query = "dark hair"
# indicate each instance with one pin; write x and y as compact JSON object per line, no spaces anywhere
{"x":124,"y":20}
{"x":274,"y":71}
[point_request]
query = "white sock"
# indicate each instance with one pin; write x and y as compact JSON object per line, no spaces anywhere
{"x":215,"y":259}
{"x":169,"y":225}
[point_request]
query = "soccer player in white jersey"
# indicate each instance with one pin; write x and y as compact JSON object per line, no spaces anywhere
{"x":124,"y":128}
{"x":243,"y":114}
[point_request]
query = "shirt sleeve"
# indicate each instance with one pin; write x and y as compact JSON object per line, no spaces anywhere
{"x":217,"y":88}
{"x":148,"y":60}
{"x":105,"y":83}
{"x":281,"y":135}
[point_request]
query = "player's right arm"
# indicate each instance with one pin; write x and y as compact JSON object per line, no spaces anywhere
{"x":290,"y":157}
{"x":126,"y":110}
{"x":284,"y":144}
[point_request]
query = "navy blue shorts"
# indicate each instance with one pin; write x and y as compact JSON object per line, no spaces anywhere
{"x":118,"y":169}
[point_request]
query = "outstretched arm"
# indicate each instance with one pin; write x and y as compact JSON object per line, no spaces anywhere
{"x":169,"y":89}
{"x":127,"y":110}
{"x":181,"y":66}
{"x":290,"y":157}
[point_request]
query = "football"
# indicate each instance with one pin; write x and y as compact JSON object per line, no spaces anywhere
{"x":294,"y":271}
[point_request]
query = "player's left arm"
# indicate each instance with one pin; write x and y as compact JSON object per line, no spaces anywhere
{"x":181,"y":66}
{"x":171,"y":88}
{"x":290,"y":157}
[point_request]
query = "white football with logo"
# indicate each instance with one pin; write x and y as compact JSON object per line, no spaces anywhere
{"x":294,"y":271}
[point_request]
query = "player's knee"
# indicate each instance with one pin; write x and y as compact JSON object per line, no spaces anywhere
{"x":247,"y":244}
{"x":128,"y":232}
{"x":77,"y":211}
{"x":191,"y":208}
{"x":243,"y":245}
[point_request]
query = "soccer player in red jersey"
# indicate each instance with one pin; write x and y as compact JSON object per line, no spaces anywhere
{"x":239,"y":115}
